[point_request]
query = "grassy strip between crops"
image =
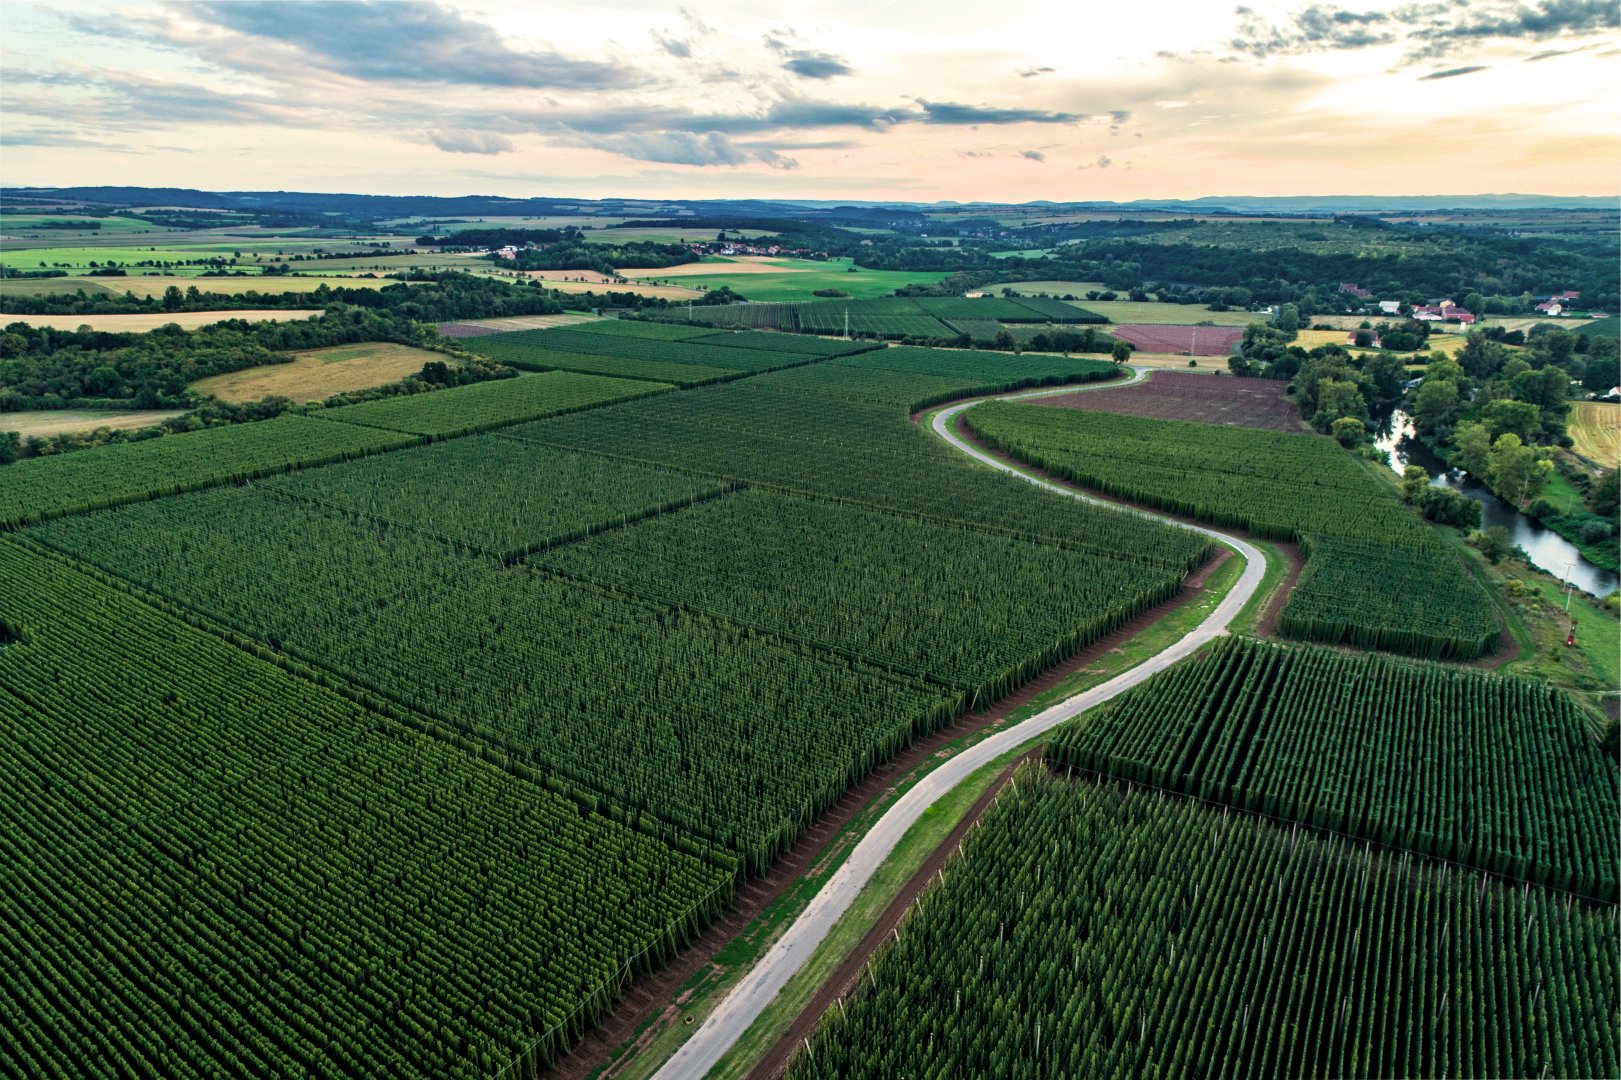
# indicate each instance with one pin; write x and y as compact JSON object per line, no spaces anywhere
{"x":708,"y":989}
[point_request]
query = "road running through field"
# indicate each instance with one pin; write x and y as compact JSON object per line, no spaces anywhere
{"x":765,"y":980}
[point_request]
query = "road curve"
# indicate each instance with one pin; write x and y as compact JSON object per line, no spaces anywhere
{"x":771,"y":973}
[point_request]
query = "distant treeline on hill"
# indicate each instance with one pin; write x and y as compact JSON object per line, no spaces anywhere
{"x":428,"y":297}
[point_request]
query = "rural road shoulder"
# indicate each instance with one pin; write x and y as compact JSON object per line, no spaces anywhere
{"x":766,"y":979}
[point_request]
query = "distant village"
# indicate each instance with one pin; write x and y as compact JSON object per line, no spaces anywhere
{"x":1446,"y":310}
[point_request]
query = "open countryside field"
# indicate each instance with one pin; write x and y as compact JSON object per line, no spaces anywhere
{"x":1192,"y":340}
{"x":43,"y":423}
{"x":317,"y":374}
{"x":477,"y":327}
{"x":1185,"y":395}
{"x":584,"y":281}
{"x":1079,"y":289}
{"x":768,"y":279}
{"x":143,"y":321}
{"x":1596,"y":427}
{"x":29,"y":226}
{"x":1133,"y":311}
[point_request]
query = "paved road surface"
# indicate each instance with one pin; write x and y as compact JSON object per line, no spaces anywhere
{"x":767,"y":978}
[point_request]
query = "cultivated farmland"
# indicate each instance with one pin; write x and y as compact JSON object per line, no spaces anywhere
{"x":1496,"y":773}
{"x":1181,"y":395}
{"x":1102,"y":931}
{"x":315,"y":374}
{"x":1189,"y":340}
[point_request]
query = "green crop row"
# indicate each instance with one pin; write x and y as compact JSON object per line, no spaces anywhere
{"x":1094,"y":931}
{"x":213,"y":866}
{"x":1497,"y":773}
{"x":721,"y":733}
{"x":499,"y":497}
{"x":45,"y":487}
{"x":531,"y":357}
{"x":488,"y":405}
{"x":977,"y":612}
{"x":1425,"y":603}
{"x":852,"y":452}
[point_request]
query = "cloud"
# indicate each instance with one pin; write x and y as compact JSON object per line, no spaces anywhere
{"x":471,"y":142}
{"x":676,"y":47}
{"x":816,"y":65}
{"x":681,"y":148}
{"x":1452,"y":73}
{"x":406,"y":42}
{"x":1032,"y":72}
{"x":1033,"y":155}
{"x":1103,"y":162}
{"x":949,"y":112}
{"x":1425,"y":29}
{"x":1170,"y":103}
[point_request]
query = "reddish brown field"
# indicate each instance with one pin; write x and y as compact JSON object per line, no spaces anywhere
{"x":1191,"y":340}
{"x":1206,"y":399}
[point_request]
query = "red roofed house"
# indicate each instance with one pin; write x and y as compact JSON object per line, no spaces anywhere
{"x":1551,"y":307}
{"x":1443,"y":311}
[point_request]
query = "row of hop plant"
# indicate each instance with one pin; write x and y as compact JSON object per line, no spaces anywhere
{"x":233,"y":869}
{"x":1101,"y":930}
{"x":1496,"y":773}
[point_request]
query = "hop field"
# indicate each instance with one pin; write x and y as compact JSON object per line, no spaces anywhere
{"x":1099,"y":931}
{"x":1497,"y":773}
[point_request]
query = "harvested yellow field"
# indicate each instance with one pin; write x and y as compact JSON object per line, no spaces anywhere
{"x":1316,"y":339}
{"x":738,"y":264}
{"x":641,"y":288}
{"x":1596,"y":427}
{"x":187,"y":320}
{"x":44,"y":423}
{"x":317,"y":374}
{"x":513,"y":322}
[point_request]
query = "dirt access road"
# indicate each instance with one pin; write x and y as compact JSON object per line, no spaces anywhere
{"x":767,"y":978}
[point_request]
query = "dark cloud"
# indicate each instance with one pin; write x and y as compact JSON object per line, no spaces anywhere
{"x":1452,"y":73}
{"x":471,"y":142}
{"x":406,"y":42}
{"x":949,"y":112}
{"x":1032,"y":72}
{"x":816,"y":65}
{"x":1103,"y":162}
{"x":682,"y":148}
{"x":674,"y":46}
{"x":1426,"y":29}
{"x":1033,"y":155}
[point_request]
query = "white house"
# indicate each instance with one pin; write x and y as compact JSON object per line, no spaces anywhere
{"x":1390,"y":307}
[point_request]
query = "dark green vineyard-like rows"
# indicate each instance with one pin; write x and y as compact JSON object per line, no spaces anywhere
{"x":977,"y":612}
{"x":1091,"y":931}
{"x":46,"y":487}
{"x":1498,"y":773}
{"x":216,"y":867}
{"x":499,"y":497}
{"x":483,"y":406}
{"x":1384,"y":580}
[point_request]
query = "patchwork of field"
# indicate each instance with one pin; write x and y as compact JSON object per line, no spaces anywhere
{"x":1182,"y":395}
{"x":141,"y":322}
{"x":1078,"y":289}
{"x":1183,"y":340}
{"x":43,"y":423}
{"x":146,"y":285}
{"x":317,"y":374}
{"x":1596,"y":427}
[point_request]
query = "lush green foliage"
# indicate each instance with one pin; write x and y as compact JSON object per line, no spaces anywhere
{"x":755,"y":352}
{"x":1377,"y":595}
{"x":1275,"y":485}
{"x":778,"y":343}
{"x":910,"y":378}
{"x":639,"y":328}
{"x":46,"y":487}
{"x":976,"y":612}
{"x":533,"y":358}
{"x":851,"y":452}
{"x":487,"y":405}
{"x":722,"y":733}
{"x":1497,"y":773}
{"x":499,"y":497}
{"x":1379,"y":577}
{"x":216,"y":866}
{"x":1099,"y":932}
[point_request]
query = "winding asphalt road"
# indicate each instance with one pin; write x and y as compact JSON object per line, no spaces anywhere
{"x":767,"y":978}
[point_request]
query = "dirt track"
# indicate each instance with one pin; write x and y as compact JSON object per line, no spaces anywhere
{"x":651,"y":998}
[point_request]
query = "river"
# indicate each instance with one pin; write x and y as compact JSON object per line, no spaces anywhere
{"x":1547,"y":549}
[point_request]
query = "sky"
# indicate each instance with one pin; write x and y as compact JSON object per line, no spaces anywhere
{"x":1008,"y":101}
